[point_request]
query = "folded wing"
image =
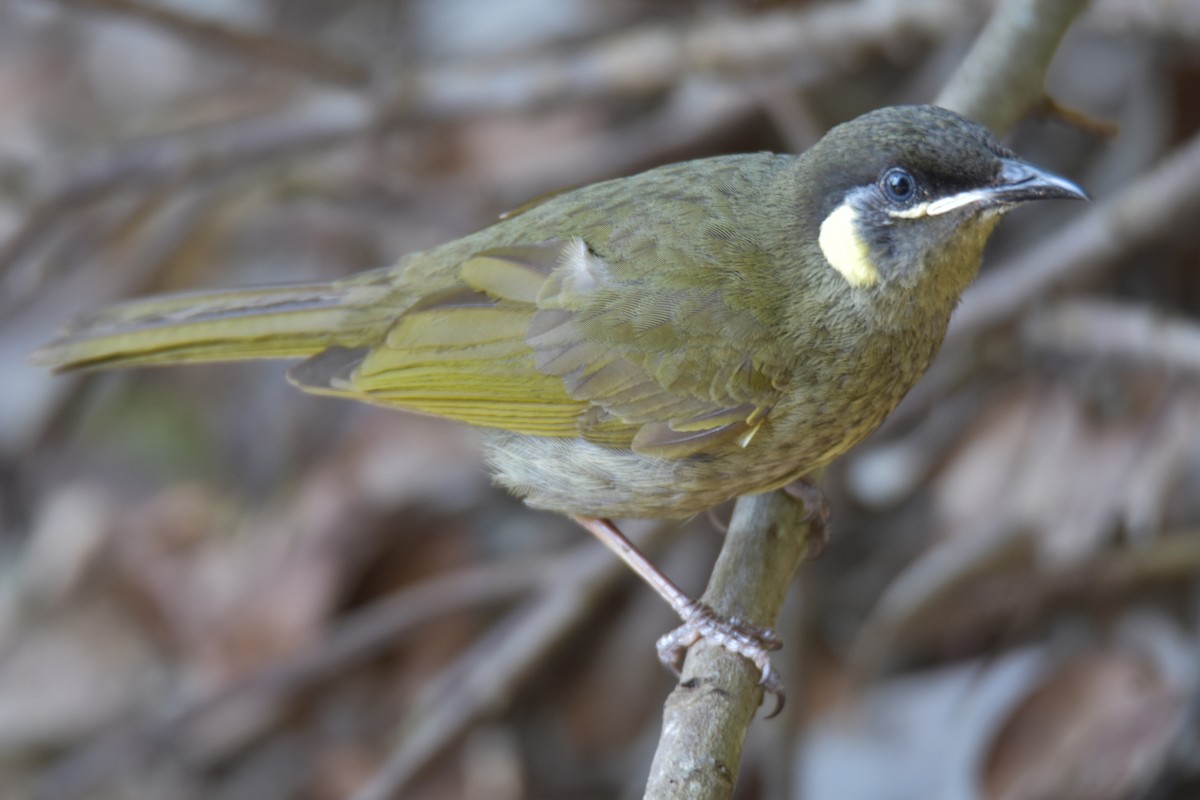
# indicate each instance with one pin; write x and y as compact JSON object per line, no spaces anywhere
{"x":548,"y":339}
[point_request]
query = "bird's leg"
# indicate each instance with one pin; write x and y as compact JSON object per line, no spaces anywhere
{"x":699,"y":620}
{"x":816,"y":507}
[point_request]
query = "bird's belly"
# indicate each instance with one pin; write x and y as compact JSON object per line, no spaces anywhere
{"x":574,"y":476}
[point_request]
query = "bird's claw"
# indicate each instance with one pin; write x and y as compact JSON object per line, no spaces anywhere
{"x":733,"y":634}
{"x":816,"y":513}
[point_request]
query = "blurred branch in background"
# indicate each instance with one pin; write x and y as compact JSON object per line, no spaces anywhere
{"x":805,"y":44}
{"x":212,"y":587}
{"x":225,"y":40}
{"x":1003,"y":78}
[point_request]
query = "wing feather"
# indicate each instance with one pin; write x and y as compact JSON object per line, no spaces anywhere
{"x":546,"y":339}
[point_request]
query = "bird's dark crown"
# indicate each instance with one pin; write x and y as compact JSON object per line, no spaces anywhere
{"x":946,"y":152}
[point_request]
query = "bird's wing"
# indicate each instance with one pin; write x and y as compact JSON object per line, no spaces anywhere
{"x":548,"y":339}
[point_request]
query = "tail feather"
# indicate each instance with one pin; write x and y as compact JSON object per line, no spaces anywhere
{"x":283,"y":321}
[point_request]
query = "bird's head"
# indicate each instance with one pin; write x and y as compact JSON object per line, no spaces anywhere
{"x":909,"y":194}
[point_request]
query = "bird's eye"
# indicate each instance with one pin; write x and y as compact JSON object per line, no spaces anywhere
{"x":898,"y":184}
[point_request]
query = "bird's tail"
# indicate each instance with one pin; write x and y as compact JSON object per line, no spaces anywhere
{"x":284,"y":321}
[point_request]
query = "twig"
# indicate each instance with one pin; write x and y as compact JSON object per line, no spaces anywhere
{"x":1080,"y":120}
{"x":258,"y":142}
{"x":706,"y":718}
{"x":957,"y":563}
{"x":140,"y":745}
{"x":807,"y":44}
{"x":695,"y":112}
{"x":488,"y":674}
{"x":249,"y":45}
{"x":1167,"y":19}
{"x":1007,"y":582}
{"x":1001,"y":81}
{"x":366,"y":634}
{"x":1115,"y":330}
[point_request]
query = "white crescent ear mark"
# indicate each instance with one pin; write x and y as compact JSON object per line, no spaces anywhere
{"x":844,"y":249}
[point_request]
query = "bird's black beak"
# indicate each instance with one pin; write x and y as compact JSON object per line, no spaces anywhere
{"x":1016,"y":182}
{"x":1019,"y":181}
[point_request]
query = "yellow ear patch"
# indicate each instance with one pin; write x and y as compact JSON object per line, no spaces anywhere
{"x":844,"y":249}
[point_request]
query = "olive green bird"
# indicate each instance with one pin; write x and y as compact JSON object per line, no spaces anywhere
{"x":648,"y":346}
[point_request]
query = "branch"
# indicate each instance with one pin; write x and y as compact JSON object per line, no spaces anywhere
{"x":708,"y":714}
{"x":1002,"y":79}
{"x":1110,"y":330}
{"x":360,"y":637}
{"x":807,"y":44}
{"x":234,"y":147}
{"x":489,"y":674}
{"x":206,"y":729}
{"x":249,"y":45}
{"x":974,"y":588}
{"x":1162,"y":19}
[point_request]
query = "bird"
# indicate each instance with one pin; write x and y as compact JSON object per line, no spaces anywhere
{"x":647,"y":346}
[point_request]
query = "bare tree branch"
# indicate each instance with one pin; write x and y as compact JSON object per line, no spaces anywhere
{"x":1002,"y":79}
{"x":1166,"y":19}
{"x":244,"y":144}
{"x":706,"y":718}
{"x":807,"y":43}
{"x":252,"y":46}
{"x":366,"y":633}
{"x":488,"y":674}
{"x":976,"y":585}
{"x":1106,"y":329}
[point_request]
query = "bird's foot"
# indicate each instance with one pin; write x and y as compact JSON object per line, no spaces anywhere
{"x":817,"y":511}
{"x":735,"y":635}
